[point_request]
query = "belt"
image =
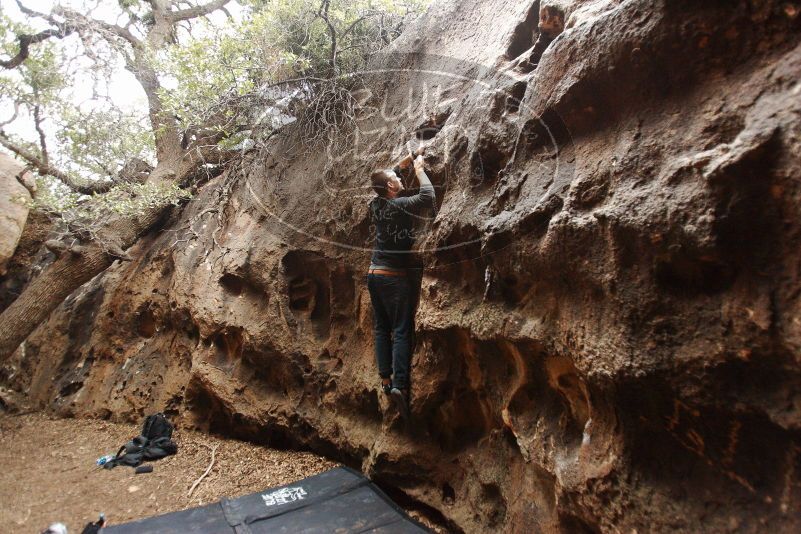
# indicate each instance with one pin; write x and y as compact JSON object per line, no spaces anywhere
{"x":386,"y":272}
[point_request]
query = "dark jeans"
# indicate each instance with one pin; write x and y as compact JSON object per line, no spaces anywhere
{"x":394,"y":301}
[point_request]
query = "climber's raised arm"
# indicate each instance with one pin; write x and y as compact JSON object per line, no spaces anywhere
{"x":425,"y":197}
{"x":407,"y":160}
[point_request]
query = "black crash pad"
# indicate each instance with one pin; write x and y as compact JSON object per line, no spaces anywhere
{"x":340,"y":500}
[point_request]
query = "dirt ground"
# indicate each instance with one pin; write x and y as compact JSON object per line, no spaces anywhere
{"x":48,"y":473}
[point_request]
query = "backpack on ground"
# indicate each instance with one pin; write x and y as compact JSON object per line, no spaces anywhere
{"x":157,"y":426}
{"x":155,"y":442}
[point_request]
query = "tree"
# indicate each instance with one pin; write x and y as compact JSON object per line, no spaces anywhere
{"x":288,"y":55}
{"x":145,"y":30}
{"x":298,"y":57}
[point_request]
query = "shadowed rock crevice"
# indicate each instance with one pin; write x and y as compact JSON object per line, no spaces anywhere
{"x":530,"y":225}
{"x":525,"y":33}
{"x":488,"y":386}
{"x":389,"y":486}
{"x":488,"y":159}
{"x":429,"y":129}
{"x":232,"y":284}
{"x":571,"y":524}
{"x":553,"y":403}
{"x":275,"y":374}
{"x":343,"y":294}
{"x":309,"y":289}
{"x":493,"y":505}
{"x":472,"y":377}
{"x":458,"y":257}
{"x":226,"y":347}
{"x":748,"y":215}
{"x":515,"y":97}
{"x":683,"y":272}
{"x":745,"y":223}
{"x":543,"y":137}
{"x":146,"y":322}
{"x":709,"y":445}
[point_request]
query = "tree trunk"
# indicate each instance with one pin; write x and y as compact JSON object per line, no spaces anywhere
{"x":165,"y":129}
{"x":74,"y":268}
{"x":69,"y":272}
{"x":44,"y":294}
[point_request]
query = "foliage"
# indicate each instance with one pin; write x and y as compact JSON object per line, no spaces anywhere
{"x":83,"y":213}
{"x":280,"y":59}
{"x":39,"y":78}
{"x":233,"y":83}
{"x":362,"y":27}
{"x":93,"y":137}
{"x":100,"y":141}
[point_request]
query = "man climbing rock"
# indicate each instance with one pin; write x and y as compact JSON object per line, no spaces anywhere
{"x":394,"y":275}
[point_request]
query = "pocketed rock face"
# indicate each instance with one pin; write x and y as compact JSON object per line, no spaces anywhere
{"x":608,"y":335}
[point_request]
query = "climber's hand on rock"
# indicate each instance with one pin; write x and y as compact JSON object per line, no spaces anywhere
{"x":419,"y":163}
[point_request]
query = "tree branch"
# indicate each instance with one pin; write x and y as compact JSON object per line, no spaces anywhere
{"x":354,"y":23}
{"x":46,"y":169}
{"x":212,"y":154}
{"x":75,"y":20}
{"x":30,"y":12}
{"x":25,"y":41}
{"x":37,"y":121}
{"x":79,"y":19}
{"x":13,"y":117}
{"x":29,"y":184}
{"x":197,"y":11}
{"x":323,"y":14}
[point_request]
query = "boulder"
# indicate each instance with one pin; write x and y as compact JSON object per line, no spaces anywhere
{"x":13,"y":208}
{"x":608,"y":336}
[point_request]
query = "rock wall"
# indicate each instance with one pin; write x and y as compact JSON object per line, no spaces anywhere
{"x":608,"y":335}
{"x":13,"y":208}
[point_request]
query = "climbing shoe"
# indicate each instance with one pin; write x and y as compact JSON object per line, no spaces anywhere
{"x":401,"y":401}
{"x":386,"y":387}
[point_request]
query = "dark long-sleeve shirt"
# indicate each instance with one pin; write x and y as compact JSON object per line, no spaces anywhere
{"x":394,"y":224}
